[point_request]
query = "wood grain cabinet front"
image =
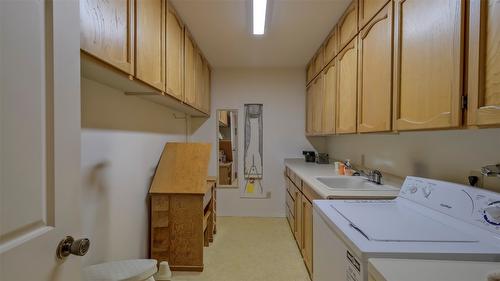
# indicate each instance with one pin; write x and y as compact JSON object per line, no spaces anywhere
{"x":174,"y":82}
{"x":150,"y":42}
{"x":347,"y":61}
{"x":318,"y":101}
{"x":367,"y":9}
{"x":330,"y":98}
{"x":307,"y":224}
{"x":107,"y":32}
{"x":484,"y":63}
{"x":348,"y":25}
{"x":375,"y":73}
{"x":189,"y":69}
{"x":428,"y":64}
{"x":331,"y":46}
{"x":309,"y":109}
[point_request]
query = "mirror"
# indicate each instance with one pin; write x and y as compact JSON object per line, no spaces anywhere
{"x":227,"y":143}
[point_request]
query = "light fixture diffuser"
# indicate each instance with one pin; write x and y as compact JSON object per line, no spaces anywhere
{"x":259,"y":16}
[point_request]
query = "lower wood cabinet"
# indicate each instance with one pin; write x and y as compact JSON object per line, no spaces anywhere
{"x":300,"y":216}
{"x":307,"y":233}
{"x":484,"y":63}
{"x":375,"y":74}
{"x":347,"y":63}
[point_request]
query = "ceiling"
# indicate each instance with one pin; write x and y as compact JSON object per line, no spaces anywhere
{"x":294,"y":30}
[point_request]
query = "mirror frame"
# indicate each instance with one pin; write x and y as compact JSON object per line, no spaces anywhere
{"x":237,"y":163}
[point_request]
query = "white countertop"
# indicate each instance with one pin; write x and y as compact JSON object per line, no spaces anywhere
{"x":308,"y":172}
{"x":430,"y":270}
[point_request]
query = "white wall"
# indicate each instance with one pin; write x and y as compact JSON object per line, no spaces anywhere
{"x":122,"y":139}
{"x":282,"y":92}
{"x":445,"y":155}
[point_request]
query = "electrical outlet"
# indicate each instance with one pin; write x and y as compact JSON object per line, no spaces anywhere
{"x":477,"y":174}
{"x":491,"y":183}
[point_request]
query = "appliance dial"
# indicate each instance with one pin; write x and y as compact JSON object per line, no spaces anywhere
{"x":413,"y":189}
{"x":492,"y":213}
{"x":427,"y":191}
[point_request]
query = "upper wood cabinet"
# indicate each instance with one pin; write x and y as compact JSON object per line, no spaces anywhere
{"x":319,"y":61}
{"x":428,"y":64}
{"x":309,"y":71}
{"x":368,"y":9}
{"x":484,"y":63}
{"x":150,"y":42}
{"x":330,"y":98}
{"x":205,"y":106}
{"x":375,"y":73}
{"x":199,"y":83}
{"x":107,"y":31}
{"x":318,"y":101}
{"x":348,"y":25}
{"x":347,"y":62}
{"x":189,"y":69}
{"x":309,"y":109}
{"x":331,"y":46}
{"x":175,"y":55}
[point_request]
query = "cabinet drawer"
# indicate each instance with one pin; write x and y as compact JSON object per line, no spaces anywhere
{"x":290,"y":202}
{"x":295,"y":179}
{"x":290,"y":187}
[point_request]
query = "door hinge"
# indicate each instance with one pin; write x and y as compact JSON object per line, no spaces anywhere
{"x":464,"y":102}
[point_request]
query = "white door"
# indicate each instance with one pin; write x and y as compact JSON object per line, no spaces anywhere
{"x":234,"y":145}
{"x":39,"y":138}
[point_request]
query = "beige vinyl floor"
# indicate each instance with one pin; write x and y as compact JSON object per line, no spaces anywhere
{"x":250,"y":249}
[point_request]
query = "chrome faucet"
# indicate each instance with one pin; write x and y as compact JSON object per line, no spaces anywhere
{"x":373,"y":176}
{"x":491,"y":170}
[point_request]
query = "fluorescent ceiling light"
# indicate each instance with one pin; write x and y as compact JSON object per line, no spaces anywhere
{"x":259,"y":16}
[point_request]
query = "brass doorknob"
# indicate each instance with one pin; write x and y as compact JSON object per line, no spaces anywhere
{"x":70,"y":246}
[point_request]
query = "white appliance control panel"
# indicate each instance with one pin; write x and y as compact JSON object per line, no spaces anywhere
{"x":473,"y":205}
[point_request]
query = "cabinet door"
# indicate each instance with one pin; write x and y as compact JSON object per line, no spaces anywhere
{"x":375,"y":73}
{"x":298,"y":218}
{"x":107,"y":31}
{"x":175,"y":55}
{"x":348,"y":25}
{"x":189,"y":69}
{"x":331,"y":46}
{"x":428,"y":64}
{"x":484,"y":63}
{"x":318,"y":100}
{"x":310,"y":72}
{"x":330,"y":98}
{"x":206,"y":87}
{"x":309,"y":109}
{"x":198,"y":79}
{"x":368,"y":9}
{"x":307,"y":219}
{"x":347,"y":88}
{"x":150,"y":42}
{"x":319,"y":61}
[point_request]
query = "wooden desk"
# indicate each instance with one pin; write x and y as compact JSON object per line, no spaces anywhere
{"x":183,"y":207}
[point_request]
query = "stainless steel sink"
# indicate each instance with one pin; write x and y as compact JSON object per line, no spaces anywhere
{"x":352,"y":183}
